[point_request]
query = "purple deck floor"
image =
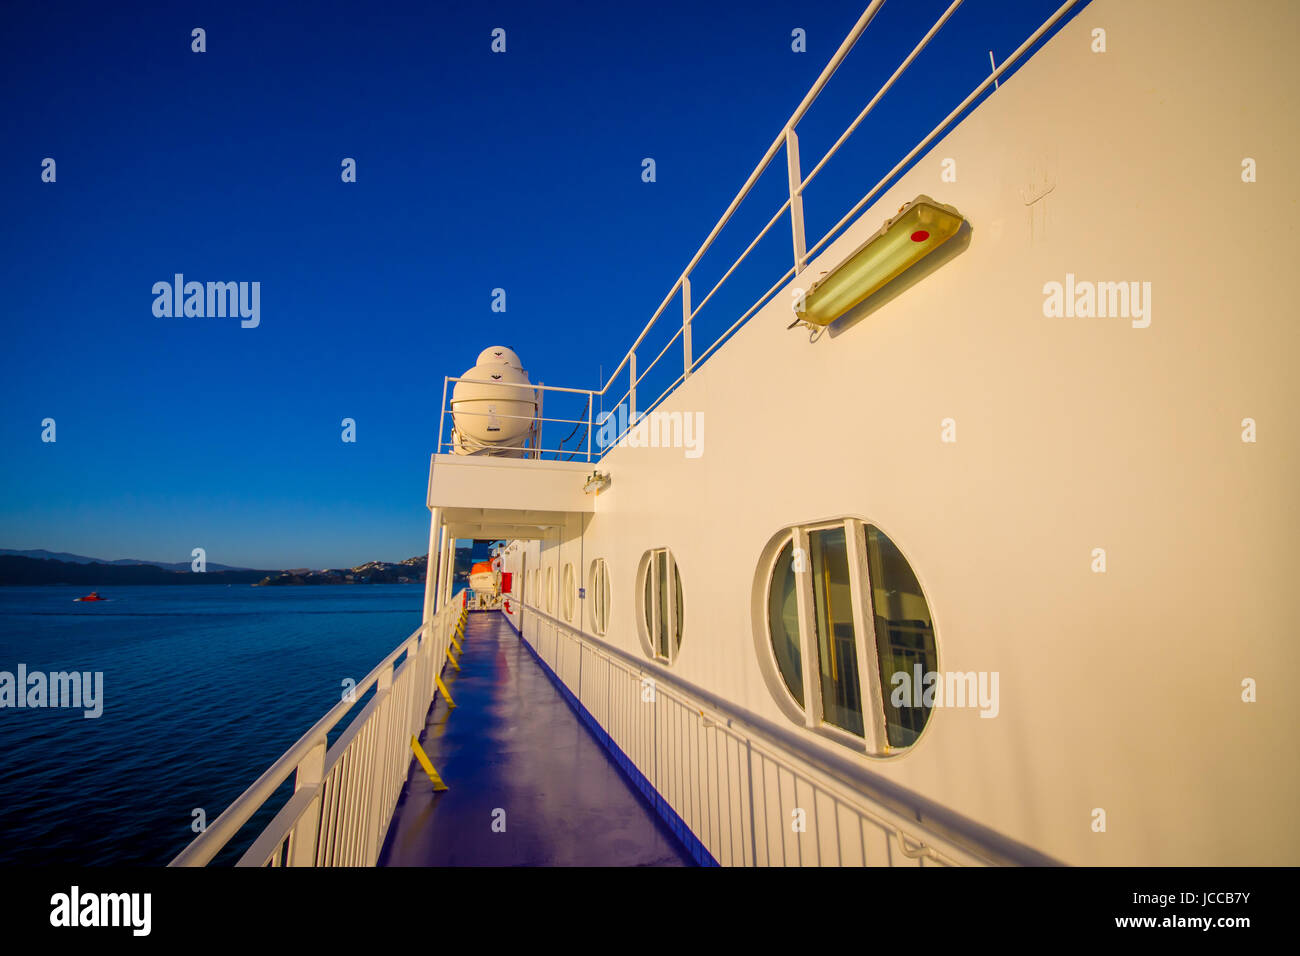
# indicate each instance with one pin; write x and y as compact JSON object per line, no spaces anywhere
{"x":513,"y":744}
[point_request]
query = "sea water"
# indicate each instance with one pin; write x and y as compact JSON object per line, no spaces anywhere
{"x":203,"y":688}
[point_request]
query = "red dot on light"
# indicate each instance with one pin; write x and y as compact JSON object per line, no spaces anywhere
{"x":920,"y":235}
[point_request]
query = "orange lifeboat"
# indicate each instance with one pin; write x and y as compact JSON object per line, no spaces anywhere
{"x":483,"y":579}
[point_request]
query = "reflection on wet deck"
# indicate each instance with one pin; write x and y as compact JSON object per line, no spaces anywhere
{"x":528,"y":784}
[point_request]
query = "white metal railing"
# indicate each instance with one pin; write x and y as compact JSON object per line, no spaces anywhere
{"x":788,"y":140}
{"x":734,"y":778}
{"x":534,"y":446}
{"x":344,"y":793}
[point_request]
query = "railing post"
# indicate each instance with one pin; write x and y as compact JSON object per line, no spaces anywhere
{"x":443,"y":566}
{"x":451,"y":564}
{"x":541,"y":397}
{"x":442,"y":415}
{"x":448,"y":564}
{"x":631,"y":394}
{"x":591,"y":404}
{"x":686,"y":328}
{"x":439,"y":595}
{"x":431,"y":570}
{"x":796,"y":198}
{"x":419,"y":712}
{"x":302,"y":840}
{"x":375,"y":808}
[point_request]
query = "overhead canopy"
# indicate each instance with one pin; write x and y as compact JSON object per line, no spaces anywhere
{"x":492,"y":523}
{"x":488,"y":498}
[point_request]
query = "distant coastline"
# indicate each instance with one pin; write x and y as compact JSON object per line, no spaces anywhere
{"x":123,"y":562}
{"x":409,"y":571}
{"x":21,"y":570}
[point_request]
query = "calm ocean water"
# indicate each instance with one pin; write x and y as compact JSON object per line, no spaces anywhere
{"x":204,"y":686}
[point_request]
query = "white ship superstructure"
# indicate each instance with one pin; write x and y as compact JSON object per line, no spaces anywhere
{"x":970,"y":542}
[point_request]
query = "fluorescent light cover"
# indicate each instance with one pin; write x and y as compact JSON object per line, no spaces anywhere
{"x":920,"y":227}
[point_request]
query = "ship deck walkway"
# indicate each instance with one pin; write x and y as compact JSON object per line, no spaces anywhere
{"x":528,"y":783}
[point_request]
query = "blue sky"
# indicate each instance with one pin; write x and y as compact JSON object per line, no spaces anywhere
{"x":475,"y":171}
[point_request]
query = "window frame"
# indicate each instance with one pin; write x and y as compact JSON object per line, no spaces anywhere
{"x":872,"y":693}
{"x":569,"y":595}
{"x":648,"y":618}
{"x":598,"y":585}
{"x":769,"y":582}
{"x":550,"y":589}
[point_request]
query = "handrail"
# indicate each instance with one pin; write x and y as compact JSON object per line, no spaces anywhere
{"x":961,"y":831}
{"x":524,"y":385}
{"x":992,"y":78}
{"x":217,"y":834}
{"x":902,"y":68}
{"x":536,"y":447}
{"x":793,"y":205}
{"x":863,"y":21}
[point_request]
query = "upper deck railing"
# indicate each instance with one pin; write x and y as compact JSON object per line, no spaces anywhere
{"x":788,"y":140}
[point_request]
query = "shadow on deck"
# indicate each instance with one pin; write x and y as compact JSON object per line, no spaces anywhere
{"x":513,"y":744}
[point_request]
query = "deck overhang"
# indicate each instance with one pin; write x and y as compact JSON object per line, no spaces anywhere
{"x":486,"y":497}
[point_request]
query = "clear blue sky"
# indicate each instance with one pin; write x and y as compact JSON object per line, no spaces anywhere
{"x":475,"y":171}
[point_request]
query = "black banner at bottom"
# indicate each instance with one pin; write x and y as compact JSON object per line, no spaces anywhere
{"x":336,"y":907}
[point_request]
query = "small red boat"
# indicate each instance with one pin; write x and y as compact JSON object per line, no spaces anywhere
{"x":92,"y":596}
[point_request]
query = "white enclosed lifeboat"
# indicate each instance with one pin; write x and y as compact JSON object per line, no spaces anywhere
{"x":495,"y":410}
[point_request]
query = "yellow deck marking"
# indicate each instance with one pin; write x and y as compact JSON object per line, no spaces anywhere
{"x":445,"y":696}
{"x":423,"y":757}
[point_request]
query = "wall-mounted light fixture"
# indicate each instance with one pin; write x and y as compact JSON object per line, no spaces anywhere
{"x":596,"y":483}
{"x":918,"y":229}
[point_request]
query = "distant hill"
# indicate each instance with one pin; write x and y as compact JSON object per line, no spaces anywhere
{"x":29,"y":568}
{"x":409,"y":571}
{"x":41,"y":553}
{"x":19,"y":570}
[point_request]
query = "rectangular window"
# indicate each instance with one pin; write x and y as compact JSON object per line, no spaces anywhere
{"x":836,"y":641}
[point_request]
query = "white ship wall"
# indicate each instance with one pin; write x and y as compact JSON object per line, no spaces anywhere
{"x":1120,"y":691}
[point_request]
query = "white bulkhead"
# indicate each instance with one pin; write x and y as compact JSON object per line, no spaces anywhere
{"x":1003,"y":445}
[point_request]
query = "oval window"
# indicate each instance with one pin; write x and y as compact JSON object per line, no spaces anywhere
{"x":661,"y":604}
{"x":598,"y":585}
{"x":570,"y":592}
{"x":904,"y":636}
{"x":783,"y":622}
{"x":825,"y":583}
